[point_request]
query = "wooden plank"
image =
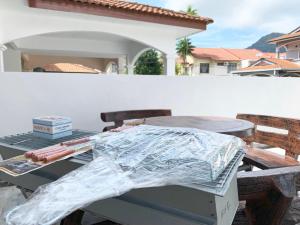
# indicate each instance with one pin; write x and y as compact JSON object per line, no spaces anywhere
{"x":294,"y":144}
{"x":270,"y":121}
{"x":290,"y":143}
{"x":268,"y":195}
{"x":265,"y":160}
{"x":133,"y":114}
{"x":272,"y":139}
{"x":118,"y":117}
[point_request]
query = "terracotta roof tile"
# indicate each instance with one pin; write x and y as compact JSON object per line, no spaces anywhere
{"x":68,"y":68}
{"x":144,"y":8}
{"x":259,"y":68}
{"x":249,"y":54}
{"x":285,"y":37}
{"x":117,"y":5}
{"x":227,"y":54}
{"x":278,"y":64}
{"x":218,"y":54}
{"x":284,"y":64}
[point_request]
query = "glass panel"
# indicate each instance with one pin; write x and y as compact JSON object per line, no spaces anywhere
{"x":204,"y":67}
{"x":231,"y":67}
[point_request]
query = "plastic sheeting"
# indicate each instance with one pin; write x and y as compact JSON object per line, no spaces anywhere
{"x":143,"y":156}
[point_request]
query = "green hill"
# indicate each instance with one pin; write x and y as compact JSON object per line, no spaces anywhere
{"x":262,"y":44}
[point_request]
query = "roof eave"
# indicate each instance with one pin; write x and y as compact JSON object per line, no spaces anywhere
{"x":277,"y":40}
{"x":257,"y":70}
{"x":298,"y":69}
{"x":214,"y":59}
{"x":119,"y":13}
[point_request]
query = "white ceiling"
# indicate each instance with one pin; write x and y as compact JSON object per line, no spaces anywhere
{"x":87,"y":36}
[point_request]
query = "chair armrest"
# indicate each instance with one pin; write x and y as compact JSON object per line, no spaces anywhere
{"x":254,"y":184}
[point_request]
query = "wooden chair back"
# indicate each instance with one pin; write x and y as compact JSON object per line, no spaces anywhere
{"x":268,"y":195}
{"x":290,"y":142}
{"x":119,"y":116}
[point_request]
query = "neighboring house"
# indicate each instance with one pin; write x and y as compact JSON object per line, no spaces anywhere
{"x":106,"y":35}
{"x":68,"y":68}
{"x":222,"y":61}
{"x":289,"y":66}
{"x":271,"y":67}
{"x":31,"y":61}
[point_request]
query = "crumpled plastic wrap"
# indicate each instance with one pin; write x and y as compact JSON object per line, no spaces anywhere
{"x":143,"y":156}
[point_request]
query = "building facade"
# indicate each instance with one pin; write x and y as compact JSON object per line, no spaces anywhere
{"x":109,"y":31}
{"x":288,"y":66}
{"x":222,"y":61}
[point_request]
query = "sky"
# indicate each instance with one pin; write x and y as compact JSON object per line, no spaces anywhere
{"x":238,"y":23}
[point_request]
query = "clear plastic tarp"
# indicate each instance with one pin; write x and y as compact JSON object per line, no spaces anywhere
{"x":139,"y":157}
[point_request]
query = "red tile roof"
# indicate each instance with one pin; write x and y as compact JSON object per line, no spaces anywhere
{"x":284,"y":64}
{"x":227,"y":54}
{"x":272,"y":64}
{"x":286,"y":37}
{"x":68,"y":68}
{"x":123,"y":9}
{"x":137,"y":7}
{"x":295,"y":34}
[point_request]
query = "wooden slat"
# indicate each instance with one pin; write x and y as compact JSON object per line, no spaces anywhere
{"x":294,"y":141}
{"x":265,"y":160}
{"x":270,"y":121}
{"x":290,"y":142}
{"x":272,"y":139}
{"x":119,"y":116}
{"x":133,"y":114}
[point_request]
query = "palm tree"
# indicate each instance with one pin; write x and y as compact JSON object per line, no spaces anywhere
{"x":191,"y":11}
{"x":184,"y":49}
{"x":184,"y":46}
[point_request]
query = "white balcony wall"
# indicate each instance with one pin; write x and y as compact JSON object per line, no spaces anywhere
{"x":12,"y":60}
{"x":293,"y":50}
{"x":293,"y":54}
{"x":82,"y":97}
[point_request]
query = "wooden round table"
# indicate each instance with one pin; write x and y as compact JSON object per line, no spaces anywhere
{"x":236,"y":127}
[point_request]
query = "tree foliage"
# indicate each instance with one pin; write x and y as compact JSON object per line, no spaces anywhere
{"x":149,"y":64}
{"x":184,"y":49}
{"x":184,"y":46}
{"x":191,"y":11}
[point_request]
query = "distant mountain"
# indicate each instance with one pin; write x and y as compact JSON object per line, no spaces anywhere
{"x":262,"y":44}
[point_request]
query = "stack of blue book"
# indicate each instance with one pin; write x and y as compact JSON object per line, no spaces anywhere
{"x":52,"y":127}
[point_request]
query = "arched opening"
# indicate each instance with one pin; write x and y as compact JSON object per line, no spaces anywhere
{"x":149,"y":61}
{"x":84,"y":52}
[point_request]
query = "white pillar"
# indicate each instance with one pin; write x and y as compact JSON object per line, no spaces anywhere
{"x":130,"y":69}
{"x":171,"y":64}
{"x":122,"y":64}
{"x":165,"y":64}
{"x":277,"y":53}
{"x":2,"y":49}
